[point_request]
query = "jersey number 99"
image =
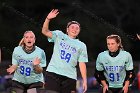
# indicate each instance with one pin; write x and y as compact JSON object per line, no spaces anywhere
{"x":25,"y":70}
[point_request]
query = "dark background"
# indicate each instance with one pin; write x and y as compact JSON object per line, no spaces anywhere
{"x":98,"y":19}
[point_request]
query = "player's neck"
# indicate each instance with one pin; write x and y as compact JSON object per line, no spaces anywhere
{"x":114,"y":54}
{"x":29,"y":50}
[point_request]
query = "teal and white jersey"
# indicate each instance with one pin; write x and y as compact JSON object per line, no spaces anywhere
{"x":114,"y":67}
{"x":25,"y":73}
{"x":67,"y":52}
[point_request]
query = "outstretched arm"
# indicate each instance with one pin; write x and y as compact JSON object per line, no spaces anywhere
{"x":11,"y":69}
{"x":138,"y":36}
{"x":45,"y":28}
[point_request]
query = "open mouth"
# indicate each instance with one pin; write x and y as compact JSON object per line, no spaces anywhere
{"x":29,"y":42}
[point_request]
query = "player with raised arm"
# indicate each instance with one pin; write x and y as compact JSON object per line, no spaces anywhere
{"x":67,"y":53}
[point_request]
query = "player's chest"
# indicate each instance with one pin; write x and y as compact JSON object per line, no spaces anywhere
{"x":69,"y":45}
{"x":114,"y":61}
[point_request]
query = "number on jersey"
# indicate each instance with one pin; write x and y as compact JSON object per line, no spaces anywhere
{"x":65,"y":56}
{"x":25,"y":70}
{"x":114,"y":77}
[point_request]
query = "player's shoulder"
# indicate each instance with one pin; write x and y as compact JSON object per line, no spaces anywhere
{"x":17,"y":48}
{"x":80,"y":43}
{"x":60,"y":33}
{"x":124,"y":52}
{"x":57,"y":32}
{"x":103,"y":53}
{"x":38,"y":48}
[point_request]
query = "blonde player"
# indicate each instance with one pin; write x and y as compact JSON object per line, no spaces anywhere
{"x":28,"y":61}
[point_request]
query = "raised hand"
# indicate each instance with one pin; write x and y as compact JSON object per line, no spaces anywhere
{"x":53,"y":14}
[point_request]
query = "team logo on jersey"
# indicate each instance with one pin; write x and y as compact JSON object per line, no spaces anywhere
{"x":106,"y":62}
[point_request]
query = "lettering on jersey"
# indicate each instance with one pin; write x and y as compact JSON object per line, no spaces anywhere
{"x":65,"y":46}
{"x":113,"y":76}
{"x":25,"y":62}
{"x":66,"y":51}
{"x":114,"y":68}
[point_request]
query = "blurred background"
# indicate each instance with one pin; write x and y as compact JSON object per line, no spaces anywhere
{"x":98,"y":19}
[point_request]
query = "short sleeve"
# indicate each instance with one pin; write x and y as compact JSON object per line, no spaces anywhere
{"x":55,"y":35}
{"x":14,"y":57}
{"x":43,"y":59}
{"x":99,"y":65}
{"x":129,"y":63}
{"x":83,"y":56}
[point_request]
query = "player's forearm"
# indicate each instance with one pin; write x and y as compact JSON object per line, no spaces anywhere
{"x":38,"y":69}
{"x":14,"y":67}
{"x":45,"y":27}
{"x":127,"y":83}
{"x":103,"y":82}
{"x":83,"y":71}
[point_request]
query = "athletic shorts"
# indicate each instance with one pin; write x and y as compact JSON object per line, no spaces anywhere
{"x":25,"y":87}
{"x":59,"y":83}
{"x":116,"y":90}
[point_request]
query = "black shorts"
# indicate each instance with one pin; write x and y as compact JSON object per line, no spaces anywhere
{"x":59,"y":83}
{"x":25,"y":87}
{"x":116,"y":90}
